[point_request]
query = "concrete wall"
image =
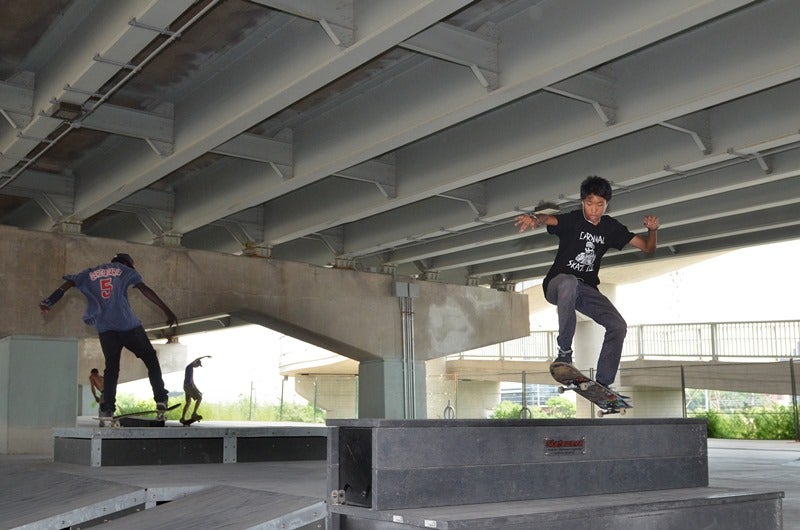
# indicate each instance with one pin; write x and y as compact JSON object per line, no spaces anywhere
{"x":37,"y":392}
{"x":352,"y":313}
{"x":335,"y":394}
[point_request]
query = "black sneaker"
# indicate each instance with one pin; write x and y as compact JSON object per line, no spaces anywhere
{"x":616,"y":392}
{"x":106,"y":418}
{"x":161,"y":407}
{"x":564,"y":357}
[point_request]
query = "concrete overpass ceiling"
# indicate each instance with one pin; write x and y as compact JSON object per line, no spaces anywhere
{"x":399,"y":136}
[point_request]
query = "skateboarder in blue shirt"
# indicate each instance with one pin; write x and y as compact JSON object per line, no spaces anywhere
{"x":108,"y":310}
{"x":571,"y":284}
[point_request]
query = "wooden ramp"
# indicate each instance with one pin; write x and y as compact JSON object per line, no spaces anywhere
{"x":229,"y":507}
{"x":35,"y":498}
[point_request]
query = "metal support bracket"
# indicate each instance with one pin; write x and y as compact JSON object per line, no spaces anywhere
{"x":474,"y":195}
{"x":70,"y":88}
{"x":476,"y":50}
{"x":276,"y":153}
{"x":161,"y":31}
{"x":125,"y":66}
{"x":9,"y":119}
{"x":593,"y":88}
{"x":333,"y":238}
{"x":697,"y":128}
{"x":758,"y":157}
{"x":336,"y":18}
{"x":381,"y":172}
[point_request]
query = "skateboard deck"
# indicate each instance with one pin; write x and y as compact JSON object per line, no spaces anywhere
{"x":116,"y":421}
{"x":191,"y":420}
{"x":572,"y":379}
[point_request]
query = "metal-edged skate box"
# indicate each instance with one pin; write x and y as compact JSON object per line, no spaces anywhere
{"x":176,"y":444}
{"x":523,"y":474}
{"x":386,"y":464}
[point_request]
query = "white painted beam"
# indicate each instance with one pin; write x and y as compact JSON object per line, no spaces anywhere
{"x":155,"y":126}
{"x":432,"y":97}
{"x":107,"y":33}
{"x":296,"y":63}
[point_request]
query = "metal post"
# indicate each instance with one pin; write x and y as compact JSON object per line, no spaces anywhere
{"x":280,"y":410}
{"x":714,"y":354}
{"x":683,"y":391}
{"x":525,"y":412}
{"x":250,"y":410}
{"x":794,"y":401}
{"x":315,"y":399}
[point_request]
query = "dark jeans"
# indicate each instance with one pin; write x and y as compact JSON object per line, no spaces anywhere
{"x":569,"y":294}
{"x":137,"y":342}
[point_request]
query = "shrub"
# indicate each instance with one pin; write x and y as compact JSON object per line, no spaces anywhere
{"x":556,"y":407}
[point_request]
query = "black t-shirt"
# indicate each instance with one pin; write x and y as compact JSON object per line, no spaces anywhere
{"x":581,"y":245}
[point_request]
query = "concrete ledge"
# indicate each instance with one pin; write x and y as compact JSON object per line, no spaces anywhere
{"x":229,"y":507}
{"x":679,"y":508}
{"x":396,"y":464}
{"x":175,"y":444}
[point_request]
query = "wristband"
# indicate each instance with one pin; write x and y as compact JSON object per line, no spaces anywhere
{"x":53,"y":298}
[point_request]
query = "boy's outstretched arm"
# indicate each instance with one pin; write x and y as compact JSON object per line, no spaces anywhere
{"x":151,"y":295}
{"x":47,"y":303}
{"x":534,"y":220}
{"x":648,"y":245}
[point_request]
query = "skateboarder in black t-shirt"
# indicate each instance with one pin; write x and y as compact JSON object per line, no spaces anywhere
{"x":571,"y":284}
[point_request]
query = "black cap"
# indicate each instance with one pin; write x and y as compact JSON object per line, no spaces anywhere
{"x":123,"y":258}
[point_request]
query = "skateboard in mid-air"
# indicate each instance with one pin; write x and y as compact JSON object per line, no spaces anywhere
{"x":572,"y":379}
{"x":116,"y":421}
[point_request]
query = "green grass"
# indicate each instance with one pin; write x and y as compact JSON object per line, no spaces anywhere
{"x":241,"y":410}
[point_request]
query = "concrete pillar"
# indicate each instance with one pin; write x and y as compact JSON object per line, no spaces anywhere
{"x":476,"y":399}
{"x":381,"y":389}
{"x":37,"y":391}
{"x":654,"y":402}
{"x":335,"y":394}
{"x":441,"y":388}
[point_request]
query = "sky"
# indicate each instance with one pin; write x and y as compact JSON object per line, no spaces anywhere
{"x":244,"y":362}
{"x":750,"y":284}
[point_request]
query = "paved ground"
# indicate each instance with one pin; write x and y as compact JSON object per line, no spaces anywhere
{"x":749,"y":465}
{"x":760,"y":465}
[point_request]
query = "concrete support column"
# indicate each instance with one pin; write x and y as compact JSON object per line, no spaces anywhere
{"x":37,"y":391}
{"x":654,"y":402}
{"x":381,"y":390}
{"x":587,"y":343}
{"x":335,"y":394}
{"x":468,"y":398}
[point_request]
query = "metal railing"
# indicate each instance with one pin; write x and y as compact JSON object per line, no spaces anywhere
{"x":777,"y":339}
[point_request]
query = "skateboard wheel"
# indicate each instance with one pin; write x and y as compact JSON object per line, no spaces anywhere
{"x":584,"y":386}
{"x":623,"y":411}
{"x":561,"y":390}
{"x":601,"y":413}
